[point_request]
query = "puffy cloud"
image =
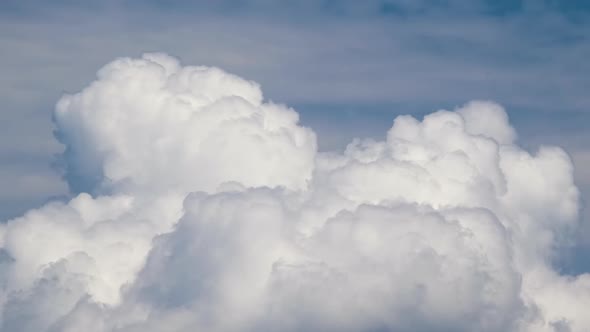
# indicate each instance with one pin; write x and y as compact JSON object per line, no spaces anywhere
{"x":212,"y":210}
{"x":150,"y":124}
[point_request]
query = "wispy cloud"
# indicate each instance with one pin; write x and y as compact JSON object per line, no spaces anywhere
{"x":382,"y":57}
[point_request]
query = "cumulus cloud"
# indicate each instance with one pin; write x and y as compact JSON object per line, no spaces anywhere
{"x":150,"y":124}
{"x":204,"y":207}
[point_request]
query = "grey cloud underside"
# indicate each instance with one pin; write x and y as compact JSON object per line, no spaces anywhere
{"x":213,"y":211}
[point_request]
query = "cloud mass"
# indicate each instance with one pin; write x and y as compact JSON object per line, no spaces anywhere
{"x":204,"y":207}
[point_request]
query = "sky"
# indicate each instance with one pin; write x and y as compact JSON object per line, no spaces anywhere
{"x":348,"y":69}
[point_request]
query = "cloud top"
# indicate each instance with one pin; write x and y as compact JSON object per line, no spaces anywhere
{"x":150,"y":124}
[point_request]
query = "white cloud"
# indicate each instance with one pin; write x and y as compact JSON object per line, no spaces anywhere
{"x":218,"y":214}
{"x":148,"y":124}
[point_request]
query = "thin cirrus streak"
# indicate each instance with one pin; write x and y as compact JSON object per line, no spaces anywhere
{"x":205,"y":208}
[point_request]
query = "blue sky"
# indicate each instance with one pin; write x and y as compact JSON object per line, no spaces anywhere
{"x":348,"y":67}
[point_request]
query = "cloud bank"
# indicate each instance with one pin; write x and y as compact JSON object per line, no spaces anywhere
{"x":203,"y":207}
